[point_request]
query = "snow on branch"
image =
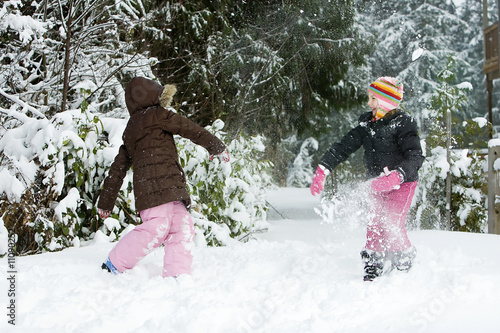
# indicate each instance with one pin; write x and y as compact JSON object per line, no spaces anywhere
{"x":24,"y":105}
{"x":339,"y":41}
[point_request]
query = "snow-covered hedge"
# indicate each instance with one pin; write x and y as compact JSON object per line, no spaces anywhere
{"x":468,"y":198}
{"x":227,"y":198}
{"x":52,"y":170}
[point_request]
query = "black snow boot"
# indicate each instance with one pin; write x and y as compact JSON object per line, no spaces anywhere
{"x":105,"y":268}
{"x":403,"y":260}
{"x":374,"y":264}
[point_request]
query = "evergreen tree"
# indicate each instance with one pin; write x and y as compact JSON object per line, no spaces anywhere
{"x":268,"y":67}
{"x":275,"y":68}
{"x":472,"y":49}
{"x":414,"y":40}
{"x":467,"y":210}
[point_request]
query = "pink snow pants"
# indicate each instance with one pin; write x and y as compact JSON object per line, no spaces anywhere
{"x":387,"y":231}
{"x":170,"y":224}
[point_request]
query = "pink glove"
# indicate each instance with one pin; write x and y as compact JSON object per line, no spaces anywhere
{"x":104,"y":214}
{"x":390,"y":181}
{"x":224,"y":156}
{"x":318,"y":181}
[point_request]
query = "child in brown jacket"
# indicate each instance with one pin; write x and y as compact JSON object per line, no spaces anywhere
{"x":158,"y":179}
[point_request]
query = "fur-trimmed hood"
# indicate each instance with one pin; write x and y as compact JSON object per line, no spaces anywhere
{"x":141,"y":93}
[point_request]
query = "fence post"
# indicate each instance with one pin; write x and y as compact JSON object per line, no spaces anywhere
{"x":494,"y":187}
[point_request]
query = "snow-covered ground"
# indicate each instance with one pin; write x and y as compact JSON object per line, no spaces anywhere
{"x":301,"y":276}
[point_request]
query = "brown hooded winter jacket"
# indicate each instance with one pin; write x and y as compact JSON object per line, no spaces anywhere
{"x":149,"y":147}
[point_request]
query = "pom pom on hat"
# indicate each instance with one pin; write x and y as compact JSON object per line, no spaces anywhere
{"x":167,"y":94}
{"x":389,"y":92}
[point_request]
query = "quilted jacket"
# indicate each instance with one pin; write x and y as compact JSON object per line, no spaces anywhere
{"x":149,"y":148}
{"x":392,"y":141}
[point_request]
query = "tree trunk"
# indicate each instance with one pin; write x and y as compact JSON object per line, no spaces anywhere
{"x":67,"y":57}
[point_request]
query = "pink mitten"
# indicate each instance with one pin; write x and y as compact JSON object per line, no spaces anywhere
{"x":224,"y":156}
{"x":318,"y":181}
{"x":103,"y":213}
{"x":388,"y":182}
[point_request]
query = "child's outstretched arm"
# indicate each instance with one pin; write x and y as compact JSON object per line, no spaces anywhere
{"x":335,"y":155}
{"x":113,"y":182}
{"x":176,"y":124}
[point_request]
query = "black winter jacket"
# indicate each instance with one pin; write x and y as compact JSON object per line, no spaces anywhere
{"x":392,"y":141}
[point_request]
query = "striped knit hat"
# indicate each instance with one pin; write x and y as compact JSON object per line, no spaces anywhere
{"x":389,"y":92}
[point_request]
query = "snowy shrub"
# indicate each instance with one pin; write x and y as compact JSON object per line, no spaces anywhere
{"x":227,"y":198}
{"x":301,"y":171}
{"x":83,"y":155}
{"x":468,"y":210}
{"x":282,"y":155}
{"x":465,"y":167}
{"x":52,"y":172}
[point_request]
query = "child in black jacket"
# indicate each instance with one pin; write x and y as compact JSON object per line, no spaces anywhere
{"x":392,"y":157}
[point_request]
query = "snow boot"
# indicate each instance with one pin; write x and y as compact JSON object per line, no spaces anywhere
{"x":108,"y":266}
{"x":374,"y":264}
{"x":403,"y":260}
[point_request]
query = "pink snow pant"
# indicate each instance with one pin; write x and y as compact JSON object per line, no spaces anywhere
{"x":170,"y":224}
{"x":387,"y":231}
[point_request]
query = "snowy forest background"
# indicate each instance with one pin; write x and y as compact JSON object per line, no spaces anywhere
{"x":278,"y":81}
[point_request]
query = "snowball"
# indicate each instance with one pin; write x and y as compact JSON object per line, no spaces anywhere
{"x":417,"y":54}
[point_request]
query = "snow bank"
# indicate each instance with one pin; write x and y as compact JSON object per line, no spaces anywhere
{"x":301,"y":276}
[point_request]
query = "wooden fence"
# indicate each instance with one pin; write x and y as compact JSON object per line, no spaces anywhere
{"x":494,"y":190}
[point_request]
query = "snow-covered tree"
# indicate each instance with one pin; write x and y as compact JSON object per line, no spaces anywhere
{"x":299,"y":174}
{"x":464,"y":165}
{"x":65,"y":46}
{"x":74,"y":56}
{"x":471,"y":43}
{"x":414,"y":39}
{"x":21,"y":57}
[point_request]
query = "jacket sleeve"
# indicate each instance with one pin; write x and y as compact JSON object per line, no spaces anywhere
{"x":409,"y":144}
{"x":340,"y":151}
{"x":176,"y":124}
{"x":114,"y":180}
